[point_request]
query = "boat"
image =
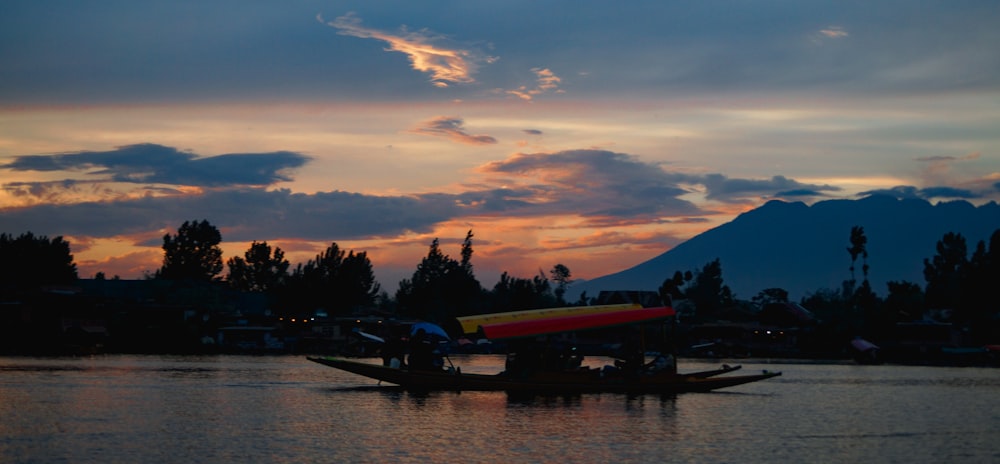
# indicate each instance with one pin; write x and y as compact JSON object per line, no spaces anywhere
{"x":565,"y":382}
{"x":517,"y":378}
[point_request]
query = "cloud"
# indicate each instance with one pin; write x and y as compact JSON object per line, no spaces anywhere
{"x":948,"y":192}
{"x":546,"y":81}
{"x":149,"y":163}
{"x":947,"y":159}
{"x":722,"y":188}
{"x":451,"y":127}
{"x":532,"y":131}
{"x":598,"y":187}
{"x":938,"y":168}
{"x":928,"y":193}
{"x":242,"y":215}
{"x":834,"y":32}
{"x":596,"y":184}
{"x":445,"y":65}
{"x":616,"y":188}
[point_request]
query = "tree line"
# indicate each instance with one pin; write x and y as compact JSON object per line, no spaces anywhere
{"x":342,"y":282}
{"x":336,"y":281}
{"x":959,"y":288}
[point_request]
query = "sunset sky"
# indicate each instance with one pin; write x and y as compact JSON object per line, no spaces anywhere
{"x":589,"y":133}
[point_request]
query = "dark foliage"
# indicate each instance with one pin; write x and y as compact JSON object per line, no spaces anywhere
{"x":28,"y":261}
{"x":338,"y":281}
{"x":441,"y":288}
{"x":259,"y":270}
{"x":192,"y":254}
{"x":516,"y":294}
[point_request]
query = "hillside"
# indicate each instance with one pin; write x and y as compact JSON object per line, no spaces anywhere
{"x":803,"y":248}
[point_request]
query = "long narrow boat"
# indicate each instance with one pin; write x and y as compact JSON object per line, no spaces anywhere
{"x":537,"y":380}
{"x":578,"y":381}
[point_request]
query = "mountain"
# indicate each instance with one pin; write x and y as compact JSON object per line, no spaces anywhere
{"x":803,"y":248}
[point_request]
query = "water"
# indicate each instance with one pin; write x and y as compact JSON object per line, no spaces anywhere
{"x":286,"y":409}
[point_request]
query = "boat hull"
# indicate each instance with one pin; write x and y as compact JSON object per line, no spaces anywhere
{"x":581,"y":381}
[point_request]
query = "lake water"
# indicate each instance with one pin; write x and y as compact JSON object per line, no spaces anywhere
{"x":121,"y":408}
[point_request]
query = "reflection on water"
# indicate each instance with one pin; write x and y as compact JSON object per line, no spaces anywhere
{"x":286,"y":409}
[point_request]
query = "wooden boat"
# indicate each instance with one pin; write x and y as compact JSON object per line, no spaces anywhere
{"x":534,"y":379}
{"x":578,"y":381}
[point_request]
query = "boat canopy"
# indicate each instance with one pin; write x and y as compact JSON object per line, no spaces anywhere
{"x":471,"y":324}
{"x":573,"y":322}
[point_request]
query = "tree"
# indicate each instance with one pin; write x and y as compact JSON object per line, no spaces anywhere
{"x":192,"y":254}
{"x":978,"y":279}
{"x":441,"y":288}
{"x":356,"y":286}
{"x":707,"y":291}
{"x":770,"y":295}
{"x":259,"y":270}
{"x":561,"y":276}
{"x":516,"y":294}
{"x":858,"y":248}
{"x":943,"y":272}
{"x":905,"y":302}
{"x":30,"y":261}
{"x":336,"y":280}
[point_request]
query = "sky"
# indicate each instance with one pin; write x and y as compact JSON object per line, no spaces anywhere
{"x":591,"y":134}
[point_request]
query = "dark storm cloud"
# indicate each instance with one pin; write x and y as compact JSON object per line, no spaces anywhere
{"x":532,"y":131}
{"x":149,"y":163}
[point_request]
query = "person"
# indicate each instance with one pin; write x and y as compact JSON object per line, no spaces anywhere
{"x":394,"y":350}
{"x":421,"y":351}
{"x":633,"y":360}
{"x":662,"y":363}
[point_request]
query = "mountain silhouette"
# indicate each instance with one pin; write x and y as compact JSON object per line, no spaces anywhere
{"x":803,"y":248}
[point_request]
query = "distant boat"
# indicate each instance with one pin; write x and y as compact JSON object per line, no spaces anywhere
{"x":865,"y":352}
{"x":659,"y":376}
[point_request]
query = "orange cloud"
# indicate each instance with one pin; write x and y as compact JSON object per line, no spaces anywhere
{"x":546,"y":81}
{"x":445,"y":65}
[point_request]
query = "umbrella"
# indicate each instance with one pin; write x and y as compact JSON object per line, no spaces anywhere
{"x":429,"y":329}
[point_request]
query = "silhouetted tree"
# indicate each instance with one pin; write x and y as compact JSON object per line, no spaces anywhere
{"x":356,"y":286}
{"x":828,"y":306}
{"x":858,"y":248}
{"x":516,"y":294}
{"x":29,"y":261}
{"x":979,"y":277}
{"x":905,"y":302}
{"x":708,"y":292}
{"x":561,"y":276}
{"x":192,"y":254}
{"x":441,"y":288}
{"x":259,"y":270}
{"x":335,"y":280}
{"x":770,"y":295}
{"x":943,"y":272}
